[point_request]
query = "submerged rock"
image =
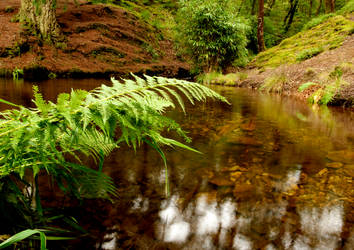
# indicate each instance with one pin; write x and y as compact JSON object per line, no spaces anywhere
{"x":334,"y":165}
{"x":221,"y":181}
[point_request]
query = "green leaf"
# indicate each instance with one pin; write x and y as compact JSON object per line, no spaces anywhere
{"x":24,"y":235}
{"x":306,"y":86}
{"x":10,"y":103}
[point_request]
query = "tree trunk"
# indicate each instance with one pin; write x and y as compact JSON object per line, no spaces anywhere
{"x":42,"y":18}
{"x":310,"y":10}
{"x":291,"y":14}
{"x":260,"y":34}
{"x":330,"y":5}
{"x":319,"y":8}
{"x":253,"y":11}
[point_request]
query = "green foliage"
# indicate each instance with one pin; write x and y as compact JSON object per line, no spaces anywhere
{"x":317,"y":20}
{"x":327,"y":89}
{"x":85,"y":124}
{"x":272,"y":33}
{"x":348,"y":8}
{"x":306,"y":85}
{"x":336,"y":73}
{"x":150,"y":49}
{"x":23,"y":235}
{"x":274,"y":83}
{"x":346,"y":67}
{"x":308,"y":53}
{"x":16,"y":73}
{"x":9,"y":9}
{"x":211,"y":35}
{"x":231,"y":79}
{"x":52,"y":75}
{"x":56,"y":138}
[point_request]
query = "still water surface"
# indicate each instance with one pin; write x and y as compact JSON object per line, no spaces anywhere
{"x":274,"y":173}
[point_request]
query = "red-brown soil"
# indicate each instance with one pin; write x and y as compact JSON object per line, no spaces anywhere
{"x":100,"y":40}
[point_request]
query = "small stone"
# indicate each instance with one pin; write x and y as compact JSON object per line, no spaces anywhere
{"x":221,"y":181}
{"x":234,"y":168}
{"x":322,"y":172}
{"x":235,"y":175}
{"x":334,"y":165}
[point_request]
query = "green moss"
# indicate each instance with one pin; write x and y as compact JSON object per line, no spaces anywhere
{"x":308,"y":53}
{"x":348,"y":8}
{"x":317,"y":20}
{"x":328,"y":35}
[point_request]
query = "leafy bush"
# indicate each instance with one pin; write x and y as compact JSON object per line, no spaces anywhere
{"x":211,"y":34}
{"x":308,"y":53}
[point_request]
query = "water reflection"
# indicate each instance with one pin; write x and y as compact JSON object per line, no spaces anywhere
{"x":214,"y":225}
{"x":321,"y":228}
{"x":274,"y":174}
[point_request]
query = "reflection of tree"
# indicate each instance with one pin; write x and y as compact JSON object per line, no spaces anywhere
{"x":213,"y":225}
{"x":321,"y":228}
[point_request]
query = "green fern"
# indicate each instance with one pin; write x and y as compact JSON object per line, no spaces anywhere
{"x":306,"y":85}
{"x":91,"y":124}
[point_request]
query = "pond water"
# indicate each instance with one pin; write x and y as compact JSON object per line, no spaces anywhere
{"x":274,"y":173}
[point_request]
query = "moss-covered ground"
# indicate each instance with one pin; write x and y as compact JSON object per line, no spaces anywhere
{"x":326,"y":36}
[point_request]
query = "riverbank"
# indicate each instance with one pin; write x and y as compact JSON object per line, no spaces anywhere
{"x":318,"y":69}
{"x":101,"y":40}
{"x":320,"y":60}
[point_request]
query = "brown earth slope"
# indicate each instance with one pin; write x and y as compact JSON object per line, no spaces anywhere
{"x":101,"y":40}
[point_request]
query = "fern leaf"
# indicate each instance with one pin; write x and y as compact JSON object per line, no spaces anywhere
{"x":306,"y":86}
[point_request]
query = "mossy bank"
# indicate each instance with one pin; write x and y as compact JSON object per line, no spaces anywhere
{"x":321,"y":54}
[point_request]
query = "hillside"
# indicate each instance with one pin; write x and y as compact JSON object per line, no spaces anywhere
{"x":321,"y":57}
{"x":100,"y":40}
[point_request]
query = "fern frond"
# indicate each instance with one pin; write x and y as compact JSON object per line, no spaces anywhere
{"x":92,"y":124}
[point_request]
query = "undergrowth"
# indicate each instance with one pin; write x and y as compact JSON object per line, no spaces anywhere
{"x":325,"y":91}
